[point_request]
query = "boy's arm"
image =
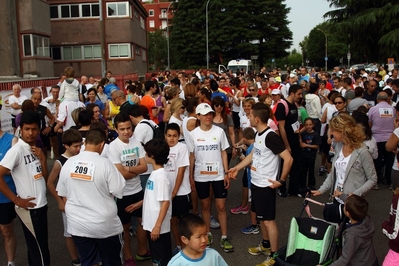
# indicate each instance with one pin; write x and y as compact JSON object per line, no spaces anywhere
{"x":51,"y":185}
{"x":348,"y":251}
{"x":162,"y":213}
{"x":179,"y":180}
{"x":129,"y":172}
{"x":234,"y":171}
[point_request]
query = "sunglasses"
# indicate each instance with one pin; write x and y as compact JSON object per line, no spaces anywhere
{"x":218,"y":105}
{"x":251,"y":90}
{"x":338,"y":103}
{"x":183,"y":107}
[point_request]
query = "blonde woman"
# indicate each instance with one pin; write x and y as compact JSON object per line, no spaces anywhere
{"x":353,"y":169}
{"x":170,"y":94}
{"x":177,"y":109}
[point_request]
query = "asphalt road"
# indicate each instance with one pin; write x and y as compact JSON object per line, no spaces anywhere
{"x":379,"y":201}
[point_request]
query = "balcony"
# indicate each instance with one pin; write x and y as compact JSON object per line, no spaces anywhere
{"x":163,"y":16}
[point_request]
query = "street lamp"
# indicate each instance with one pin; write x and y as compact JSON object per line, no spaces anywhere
{"x":326,"y":56}
{"x":167,"y":32}
{"x":207,"y":40}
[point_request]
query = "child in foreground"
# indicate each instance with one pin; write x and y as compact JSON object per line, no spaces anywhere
{"x":357,"y":239}
{"x":390,"y":229}
{"x":194,"y":235}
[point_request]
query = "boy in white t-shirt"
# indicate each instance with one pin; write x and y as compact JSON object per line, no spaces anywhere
{"x":178,"y":174}
{"x":72,"y":141}
{"x":156,"y":204}
{"x":128,"y":156}
{"x":194,"y":235}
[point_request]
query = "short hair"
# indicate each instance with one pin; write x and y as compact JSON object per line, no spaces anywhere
{"x":248,"y":133}
{"x":261,"y":111}
{"x":388,"y":91}
{"x":27,"y":105}
{"x":348,"y":81}
{"x":313,"y":87}
{"x":149,"y":84}
{"x":71,"y":136}
{"x":133,"y":110}
{"x":30,"y":117}
{"x":112,"y":80}
{"x":131,"y":88}
{"x":121,"y":118}
{"x":69,"y":72}
{"x":172,"y":126}
{"x":357,"y":207}
{"x":188,"y":223}
{"x":85,"y":117}
{"x":214,"y":85}
{"x":382,"y":96}
{"x":95,"y":136}
{"x":33,"y":90}
{"x":337,"y":78}
{"x":294,"y":88}
{"x":55,"y":87}
{"x":170,"y":92}
{"x":157,"y":149}
{"x":359,"y":91}
{"x":175,"y":81}
{"x":395,"y":82}
{"x":100,"y":126}
{"x":119,"y":93}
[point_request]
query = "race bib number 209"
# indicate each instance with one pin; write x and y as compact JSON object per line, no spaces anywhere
{"x":82,"y":170}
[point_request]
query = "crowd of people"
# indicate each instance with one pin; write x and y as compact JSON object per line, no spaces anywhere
{"x":136,"y":159}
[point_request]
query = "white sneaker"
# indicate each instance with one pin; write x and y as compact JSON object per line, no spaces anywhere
{"x":214,"y":224}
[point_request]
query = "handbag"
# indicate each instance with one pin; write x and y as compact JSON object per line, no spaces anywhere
{"x":333,"y":212}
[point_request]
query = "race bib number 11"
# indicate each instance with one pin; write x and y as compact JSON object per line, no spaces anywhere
{"x":82,"y":170}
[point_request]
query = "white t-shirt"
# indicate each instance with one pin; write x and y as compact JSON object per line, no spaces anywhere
{"x":12,"y":99}
{"x":157,"y":189}
{"x":26,"y":171}
{"x":127,"y":154}
{"x":186,"y":132}
{"x":340,"y":168}
{"x":207,"y":147}
{"x":51,"y":106}
{"x":144,"y":133}
{"x":90,"y":182}
{"x":178,"y":157}
{"x":64,"y":113}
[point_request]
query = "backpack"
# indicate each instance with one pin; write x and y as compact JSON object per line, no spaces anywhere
{"x":158,"y":134}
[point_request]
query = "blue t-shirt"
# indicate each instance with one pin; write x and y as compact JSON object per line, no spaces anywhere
{"x":221,"y":94}
{"x":5,"y":145}
{"x":210,"y":257}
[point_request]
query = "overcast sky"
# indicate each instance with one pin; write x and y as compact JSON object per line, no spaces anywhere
{"x":304,"y":16}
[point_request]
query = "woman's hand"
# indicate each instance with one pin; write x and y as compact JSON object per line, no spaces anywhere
{"x":316,"y":192}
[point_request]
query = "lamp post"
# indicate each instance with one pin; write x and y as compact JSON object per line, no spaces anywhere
{"x":207,"y":40}
{"x":167,"y":32}
{"x":326,"y":55}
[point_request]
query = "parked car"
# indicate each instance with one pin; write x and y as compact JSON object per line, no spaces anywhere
{"x":357,"y":67}
{"x":371,"y":67}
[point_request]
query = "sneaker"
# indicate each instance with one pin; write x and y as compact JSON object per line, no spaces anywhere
{"x":130,"y":262}
{"x":132,"y":232}
{"x":74,"y":263}
{"x":321,"y":170}
{"x":376,"y":187}
{"x":226,"y":245}
{"x":270,"y":261}
{"x":210,"y":239}
{"x":259,"y":250}
{"x":240,"y":210}
{"x":390,"y":187}
{"x":146,"y":256}
{"x":282,"y":194}
{"x":250,"y":230}
{"x":175,"y":251}
{"x":214,"y":224}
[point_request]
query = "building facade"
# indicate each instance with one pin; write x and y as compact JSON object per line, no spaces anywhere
{"x":159,"y":14}
{"x":47,"y":36}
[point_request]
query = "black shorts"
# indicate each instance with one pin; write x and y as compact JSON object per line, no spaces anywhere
{"x":126,"y":201}
{"x":245,"y":178}
{"x":7,"y":211}
{"x":45,"y":139}
{"x":263,"y":203}
{"x":180,"y":206}
{"x":236,"y":120}
{"x":324,"y":146}
{"x":13,"y":122}
{"x":203,"y":188}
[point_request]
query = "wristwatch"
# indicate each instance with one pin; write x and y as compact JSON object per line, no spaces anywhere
{"x":282,"y":182}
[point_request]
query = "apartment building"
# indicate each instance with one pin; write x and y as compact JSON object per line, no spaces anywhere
{"x":159,"y":14}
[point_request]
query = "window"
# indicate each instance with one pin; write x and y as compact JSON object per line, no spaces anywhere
{"x":35,"y":45}
{"x":74,"y":11}
{"x":142,"y":22}
{"x":151,"y":12}
{"x":138,"y":50}
{"x":118,"y":9}
{"x":136,"y":14}
{"x":78,"y":52}
{"x":164,"y":24}
{"x":120,"y":51}
{"x":152,"y":24}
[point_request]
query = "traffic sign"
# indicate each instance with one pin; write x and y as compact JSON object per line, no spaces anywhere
{"x":326,"y":58}
{"x":272,"y":60}
{"x":348,"y":56}
{"x":254,"y":57}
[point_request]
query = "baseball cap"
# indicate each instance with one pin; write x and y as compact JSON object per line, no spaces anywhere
{"x":292,"y":75}
{"x":276,"y":91}
{"x":203,"y":109}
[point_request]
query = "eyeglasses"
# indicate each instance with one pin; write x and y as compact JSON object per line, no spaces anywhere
{"x":251,"y":90}
{"x":218,"y":105}
{"x":183,"y":107}
{"x":113,"y":99}
{"x":338,"y":103}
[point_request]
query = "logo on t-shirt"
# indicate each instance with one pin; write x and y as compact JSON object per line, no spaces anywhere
{"x":150,"y":185}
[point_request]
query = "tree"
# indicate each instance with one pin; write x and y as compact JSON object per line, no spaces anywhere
{"x":157,"y":50}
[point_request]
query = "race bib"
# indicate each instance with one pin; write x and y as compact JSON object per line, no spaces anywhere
{"x":36,"y":170}
{"x":385,"y":112}
{"x":82,"y":170}
{"x":209,"y":169}
{"x":130,"y":159}
{"x":295,"y":126}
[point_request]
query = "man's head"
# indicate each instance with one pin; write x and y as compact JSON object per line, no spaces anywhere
{"x":83,"y":80}
{"x":394,"y":73}
{"x":175,"y":82}
{"x":36,"y":98}
{"x":172,"y":134}
{"x":91,"y":80}
{"x":194,"y":235}
{"x":109,"y":74}
{"x":295,"y":92}
{"x":313,"y":87}
{"x":150,"y":86}
{"x":112,"y":80}
{"x":395,"y":85}
{"x":357,"y":207}
{"x":16,"y":89}
{"x":214,"y":85}
{"x":30,"y":126}
{"x":260,"y":114}
{"x":348,"y":83}
{"x":336,"y":82}
{"x":55,"y":91}
{"x":372,"y":86}
{"x":382,"y":97}
{"x":118,"y":97}
{"x":222,"y":82}
{"x":304,"y":71}
{"x":95,"y":140}
{"x":135,"y":113}
{"x":123,"y":126}
{"x":72,"y":141}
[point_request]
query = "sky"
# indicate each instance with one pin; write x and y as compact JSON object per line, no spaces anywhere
{"x":304,"y":16}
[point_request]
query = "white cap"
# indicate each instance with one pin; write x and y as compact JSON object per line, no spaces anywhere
{"x":203,"y":109}
{"x":292,"y":75}
{"x":276,"y":91}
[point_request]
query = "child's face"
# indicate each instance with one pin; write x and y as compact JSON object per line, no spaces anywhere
{"x":74,"y":149}
{"x":172,"y":137}
{"x":309,"y":126}
{"x":125,"y":131}
{"x":198,"y":240}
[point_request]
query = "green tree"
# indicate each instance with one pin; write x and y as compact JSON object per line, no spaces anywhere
{"x":157,"y":50}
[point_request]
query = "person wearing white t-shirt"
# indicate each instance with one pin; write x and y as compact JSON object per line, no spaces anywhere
{"x":157,"y":203}
{"x":207,"y":147}
{"x":88,"y":184}
{"x":178,"y":174}
{"x":128,"y":156}
{"x":15,"y":102}
{"x":28,"y":167}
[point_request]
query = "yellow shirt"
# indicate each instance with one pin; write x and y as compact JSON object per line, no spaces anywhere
{"x":113,"y":111}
